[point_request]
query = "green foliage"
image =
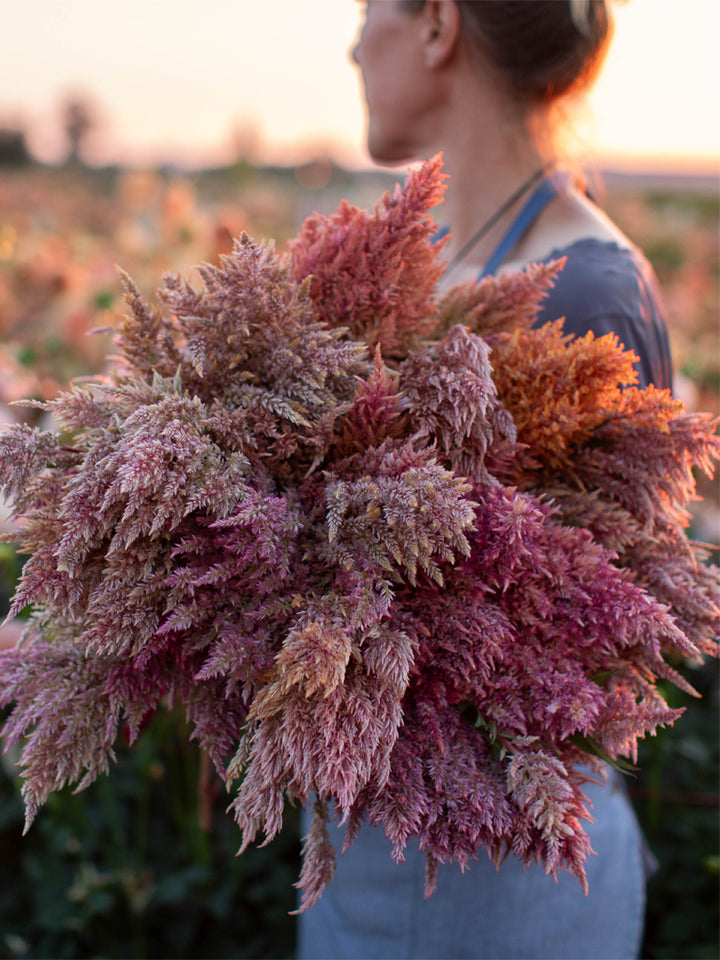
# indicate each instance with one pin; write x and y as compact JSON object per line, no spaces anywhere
{"x":704,"y":206}
{"x":666,"y":254}
{"x":676,"y":799}
{"x":124,"y":869}
{"x":10,"y":566}
{"x":103,"y":299}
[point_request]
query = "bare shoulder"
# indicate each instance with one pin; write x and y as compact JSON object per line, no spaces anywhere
{"x":569,"y":217}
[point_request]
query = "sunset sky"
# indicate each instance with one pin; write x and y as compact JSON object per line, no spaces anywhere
{"x":191,"y":81}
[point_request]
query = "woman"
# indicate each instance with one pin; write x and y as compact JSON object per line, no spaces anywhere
{"x":481,"y":82}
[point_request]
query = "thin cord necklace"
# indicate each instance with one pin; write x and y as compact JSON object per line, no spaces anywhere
{"x":499,"y":213}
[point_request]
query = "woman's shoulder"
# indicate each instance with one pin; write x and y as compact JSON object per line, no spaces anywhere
{"x":601,"y":276}
{"x":604,"y":270}
{"x":609,"y":287}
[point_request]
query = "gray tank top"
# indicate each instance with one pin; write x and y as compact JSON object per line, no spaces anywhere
{"x":609,"y":289}
{"x":603,"y":287}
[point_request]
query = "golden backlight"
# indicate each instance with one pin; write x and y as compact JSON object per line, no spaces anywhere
{"x":178,"y":80}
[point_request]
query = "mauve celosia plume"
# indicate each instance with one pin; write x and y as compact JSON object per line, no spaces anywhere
{"x":376,"y":273}
{"x":400,"y":556}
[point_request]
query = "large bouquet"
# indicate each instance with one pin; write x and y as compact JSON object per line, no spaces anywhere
{"x":400,"y":556}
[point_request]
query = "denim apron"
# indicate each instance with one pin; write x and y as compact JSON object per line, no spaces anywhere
{"x":375,"y":908}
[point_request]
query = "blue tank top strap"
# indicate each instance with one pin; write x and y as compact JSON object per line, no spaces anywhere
{"x":442,"y":231}
{"x":535,"y":204}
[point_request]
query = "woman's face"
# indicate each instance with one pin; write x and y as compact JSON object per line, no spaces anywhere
{"x":399,"y":92}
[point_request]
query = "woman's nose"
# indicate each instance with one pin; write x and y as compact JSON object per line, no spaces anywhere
{"x":353,"y":53}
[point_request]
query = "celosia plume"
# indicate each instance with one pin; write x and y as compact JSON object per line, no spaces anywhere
{"x":376,"y":273}
{"x":421,"y":588}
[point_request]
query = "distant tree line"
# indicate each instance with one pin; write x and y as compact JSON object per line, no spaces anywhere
{"x":13,"y":148}
{"x":78,"y":118}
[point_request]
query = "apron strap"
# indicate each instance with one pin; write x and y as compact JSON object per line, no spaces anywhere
{"x":535,"y":204}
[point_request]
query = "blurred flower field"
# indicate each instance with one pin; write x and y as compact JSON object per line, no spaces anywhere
{"x":101,"y":874}
{"x":678,"y":231}
{"x":61,"y":237}
{"x":64,"y":232}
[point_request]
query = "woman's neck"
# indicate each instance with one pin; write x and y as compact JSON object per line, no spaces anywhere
{"x":481,"y":180}
{"x":490,"y":149}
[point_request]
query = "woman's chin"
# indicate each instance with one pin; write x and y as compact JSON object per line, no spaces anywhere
{"x":390,"y":155}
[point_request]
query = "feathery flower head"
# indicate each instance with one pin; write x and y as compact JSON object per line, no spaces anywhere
{"x":420,"y":588}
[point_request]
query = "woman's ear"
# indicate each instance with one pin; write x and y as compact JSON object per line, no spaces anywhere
{"x":441,"y":31}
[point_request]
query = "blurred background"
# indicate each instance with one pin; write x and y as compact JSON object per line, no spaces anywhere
{"x":148,"y":134}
